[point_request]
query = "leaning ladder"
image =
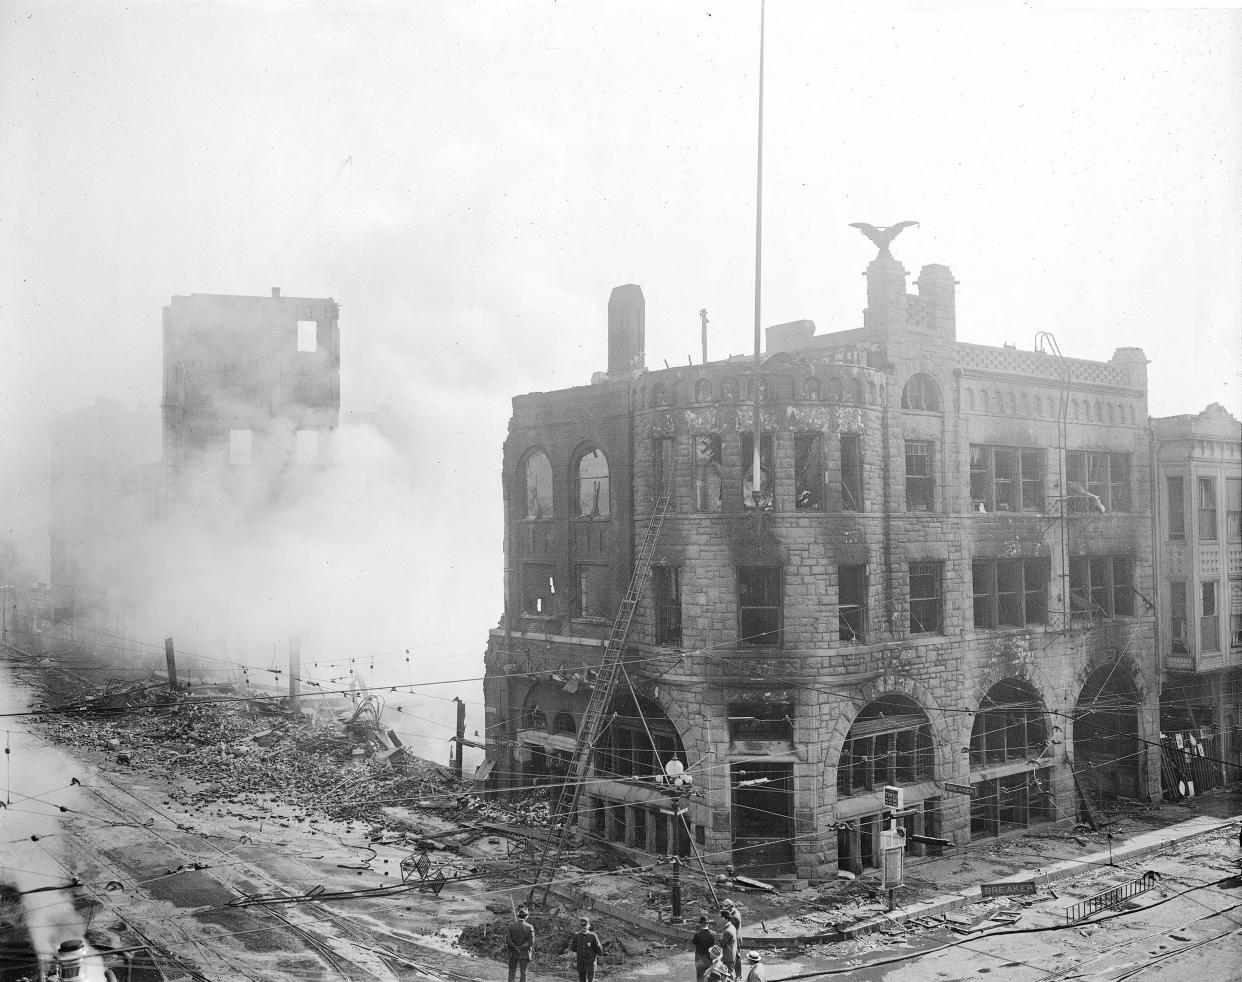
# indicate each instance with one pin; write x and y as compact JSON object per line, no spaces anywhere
{"x":601,"y":697}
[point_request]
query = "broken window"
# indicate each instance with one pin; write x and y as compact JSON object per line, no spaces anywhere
{"x":921,"y":393}
{"x":624,"y":749}
{"x":563,"y":723}
{"x":308,"y":335}
{"x":1235,"y":614}
{"x":851,"y":472}
{"x":663,"y":462}
{"x":852,"y":603}
{"x":761,"y":720}
{"x":919,"y":482}
{"x":809,"y":471}
{"x":1207,"y":509}
{"x":1010,"y":592}
{"x":241,"y":447}
{"x":1004,"y":804}
{"x":766,"y":469}
{"x":1209,"y":616}
{"x":1178,"y":638}
{"x":889,"y":743}
{"x":1233,"y":509}
{"x":1006,"y":479}
{"x":810,"y":388}
{"x":707,"y":484}
{"x":538,"y":485}
{"x":1009,"y":725}
{"x":307,"y":447}
{"x":594,"y":590}
{"x":926,"y":601}
{"x":667,"y":605}
{"x":1101,"y":587}
{"x":539,"y":590}
{"x":1177,"y":507}
{"x":1097,"y":481}
{"x":593,"y":485}
{"x":759,"y":605}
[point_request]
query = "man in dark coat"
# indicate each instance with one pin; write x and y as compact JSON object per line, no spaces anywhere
{"x":519,"y":942}
{"x":585,"y":945}
{"x":703,"y":940}
{"x":730,"y":954}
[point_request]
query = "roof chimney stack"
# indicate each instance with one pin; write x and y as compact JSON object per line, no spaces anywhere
{"x":627,"y":325}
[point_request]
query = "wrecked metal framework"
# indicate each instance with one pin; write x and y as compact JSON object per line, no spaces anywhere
{"x":1110,"y":898}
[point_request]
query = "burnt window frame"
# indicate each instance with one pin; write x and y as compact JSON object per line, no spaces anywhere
{"x":707,"y":455}
{"x":1176,"y":504}
{"x":1025,"y":488}
{"x":871,"y":760}
{"x":548,"y":592}
{"x":760,"y":721}
{"x":666,"y":590}
{"x":852,"y":616}
{"x":772,"y":582}
{"x":851,"y":472}
{"x":924,"y":570}
{"x":600,"y":595}
{"x":1209,"y":616}
{"x":1179,"y":623}
{"x":527,"y":511}
{"x":767,"y":469}
{"x":1097,"y":583}
{"x":1102,"y":474}
{"x":1026,"y":582}
{"x":921,"y":393}
{"x":1004,"y":732}
{"x":601,"y":498}
{"x":920,"y":486}
{"x":663,"y":467}
{"x":809,"y":481}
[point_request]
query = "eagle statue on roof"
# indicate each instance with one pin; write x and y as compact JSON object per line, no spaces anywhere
{"x":882,"y":236}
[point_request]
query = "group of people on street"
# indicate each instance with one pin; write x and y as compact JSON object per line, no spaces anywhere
{"x":716,"y":958}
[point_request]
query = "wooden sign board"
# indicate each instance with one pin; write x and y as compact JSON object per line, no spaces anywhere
{"x":961,"y":789}
{"x":1018,"y":889}
{"x":894,"y":867}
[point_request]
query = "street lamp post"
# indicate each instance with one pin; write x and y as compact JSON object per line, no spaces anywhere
{"x":679,"y":784}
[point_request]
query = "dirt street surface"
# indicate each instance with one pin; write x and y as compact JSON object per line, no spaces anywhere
{"x":221,"y":840}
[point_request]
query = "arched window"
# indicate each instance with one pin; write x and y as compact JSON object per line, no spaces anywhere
{"x":535,"y":719}
{"x":856,"y":392}
{"x":889,"y":743}
{"x":921,"y":392}
{"x":834,"y":390}
{"x":1009,"y":725}
{"x":593,"y":485}
{"x":729,"y":390}
{"x":810,"y":388}
{"x":564,"y":723}
{"x":538,"y":485}
{"x":702,"y":390}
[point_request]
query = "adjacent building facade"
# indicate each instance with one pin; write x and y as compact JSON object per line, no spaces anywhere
{"x":940,"y":580}
{"x":1199,"y":556}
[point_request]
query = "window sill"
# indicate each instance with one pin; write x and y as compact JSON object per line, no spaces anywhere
{"x":593,"y":518}
{"x":604,"y":621}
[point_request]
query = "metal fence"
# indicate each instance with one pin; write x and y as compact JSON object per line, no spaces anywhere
{"x":1111,"y":898}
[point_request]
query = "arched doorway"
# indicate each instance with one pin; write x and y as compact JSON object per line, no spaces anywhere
{"x":1107,"y":747}
{"x":1010,"y":769}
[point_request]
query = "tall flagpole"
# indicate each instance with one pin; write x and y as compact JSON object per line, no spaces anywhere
{"x":756,"y":478}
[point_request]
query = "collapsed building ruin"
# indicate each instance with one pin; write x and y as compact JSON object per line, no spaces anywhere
{"x":941,"y":583}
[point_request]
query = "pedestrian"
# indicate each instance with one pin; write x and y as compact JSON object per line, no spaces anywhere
{"x":717,"y":970}
{"x":585,"y":945}
{"x":735,"y":918}
{"x":728,"y":944}
{"x":704,"y":941}
{"x":520,"y":942}
{"x":757,"y":972}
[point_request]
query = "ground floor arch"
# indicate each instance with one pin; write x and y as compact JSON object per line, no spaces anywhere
{"x":1108,"y":750}
{"x":1011,"y":760}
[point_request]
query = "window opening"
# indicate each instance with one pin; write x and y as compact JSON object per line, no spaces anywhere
{"x":852,"y":603}
{"x":538,"y":485}
{"x":668,"y":605}
{"x":623,"y":749}
{"x":809,"y":471}
{"x":1177,"y":507}
{"x":761,"y":721}
{"x":1233,"y":509}
{"x":308,"y":335}
{"x":1209,"y":617}
{"x":707,"y":483}
{"x":539,"y":590}
{"x":1235,"y":614}
{"x":1097,"y":482}
{"x":1006,"y":479}
{"x":810,"y":388}
{"x":759,"y":605}
{"x":888,"y":743}
{"x":664,"y":462}
{"x":1009,"y":725}
{"x":594,"y":590}
{"x":593,"y":484}
{"x":1101,"y":587}
{"x":918,"y":475}
{"x":851,"y":472}
{"x":762,"y":815}
{"x":1010,"y":592}
{"x":766,"y":470}
{"x":563,"y":723}
{"x":1179,"y":643}
{"x":922,"y":393}
{"x":1207,"y":509}
{"x":926,"y":603}
{"x":241,"y":447}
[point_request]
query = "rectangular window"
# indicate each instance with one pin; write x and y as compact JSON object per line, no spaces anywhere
{"x":1006,"y":479}
{"x":1233,"y":509}
{"x":759,"y":605}
{"x":1176,"y":491}
{"x":707,"y":484}
{"x":1101,"y":587}
{"x":809,"y":471}
{"x":1209,"y":617}
{"x":663,"y":462}
{"x":1207,"y":509}
{"x":765,"y":721}
{"x":1097,"y":481}
{"x":767,"y":471}
{"x":667,"y":605}
{"x":926,"y":601}
{"x":851,"y":472}
{"x":308,"y":335}
{"x":594,"y":590}
{"x":307,"y":447}
{"x":852,"y":603}
{"x":241,"y":447}
{"x":1179,"y":642}
{"x":1010,"y":592}
{"x":538,"y":590}
{"x":1235,"y":614}
{"x":919,"y":484}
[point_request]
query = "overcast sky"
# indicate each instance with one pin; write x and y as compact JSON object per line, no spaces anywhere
{"x":470,"y":180}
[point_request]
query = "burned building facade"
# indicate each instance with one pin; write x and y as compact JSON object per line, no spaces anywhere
{"x":251,"y":391}
{"x":940,"y":585}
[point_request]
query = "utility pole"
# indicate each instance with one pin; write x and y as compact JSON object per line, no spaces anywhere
{"x":703,"y":331}
{"x":171,"y":658}
{"x":295,"y":672}
{"x":461,"y":736}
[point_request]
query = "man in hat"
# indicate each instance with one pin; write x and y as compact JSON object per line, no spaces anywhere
{"x":585,"y":945}
{"x":756,"y":973}
{"x":728,"y":944}
{"x":735,"y":918}
{"x":519,"y":942}
{"x":704,"y":939}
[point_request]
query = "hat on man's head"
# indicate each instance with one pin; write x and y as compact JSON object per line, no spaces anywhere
{"x":702,"y":918}
{"x":754,"y":957}
{"x":726,"y":903}
{"x":523,"y":912}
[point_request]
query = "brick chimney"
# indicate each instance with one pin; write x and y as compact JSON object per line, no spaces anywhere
{"x":627,"y":325}
{"x":936,"y":290}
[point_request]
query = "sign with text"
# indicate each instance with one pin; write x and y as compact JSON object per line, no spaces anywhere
{"x":894,"y":797}
{"x":894,"y":867}
{"x":1018,"y":889}
{"x":961,"y":789}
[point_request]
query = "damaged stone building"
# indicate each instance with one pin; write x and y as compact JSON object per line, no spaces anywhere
{"x":252,"y":392}
{"x":941,"y":585}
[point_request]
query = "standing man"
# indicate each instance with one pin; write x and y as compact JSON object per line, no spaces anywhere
{"x":717,"y":970}
{"x":519,"y":942}
{"x":728,"y":944}
{"x":735,"y":918}
{"x":704,"y":939}
{"x":585,"y":945}
{"x":757,"y":972}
